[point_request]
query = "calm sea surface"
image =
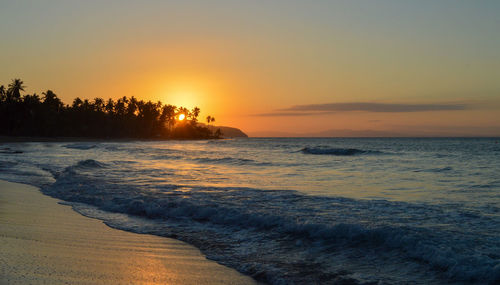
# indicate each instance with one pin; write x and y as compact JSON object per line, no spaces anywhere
{"x":294,"y":210}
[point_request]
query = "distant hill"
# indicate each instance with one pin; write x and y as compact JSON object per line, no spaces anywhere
{"x":229,"y":132}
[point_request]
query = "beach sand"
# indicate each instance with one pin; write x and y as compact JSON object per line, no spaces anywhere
{"x":43,"y":242}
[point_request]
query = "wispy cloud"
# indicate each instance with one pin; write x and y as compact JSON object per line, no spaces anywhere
{"x":288,"y":114}
{"x":376,"y":107}
{"x":321,"y":109}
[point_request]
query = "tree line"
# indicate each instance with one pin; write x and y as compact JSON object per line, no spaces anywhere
{"x":48,"y":116}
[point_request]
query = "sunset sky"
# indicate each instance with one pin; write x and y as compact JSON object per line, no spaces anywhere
{"x":271,"y":67}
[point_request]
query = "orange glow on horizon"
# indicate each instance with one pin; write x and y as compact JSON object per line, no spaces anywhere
{"x":182,"y":117}
{"x":187,"y":91}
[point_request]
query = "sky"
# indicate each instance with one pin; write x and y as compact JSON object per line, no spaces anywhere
{"x":271,"y":68}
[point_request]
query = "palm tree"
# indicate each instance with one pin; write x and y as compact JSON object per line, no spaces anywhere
{"x":50,"y":99}
{"x":121,"y":106}
{"x":3,"y":93}
{"x":31,"y":99}
{"x":99,"y":105}
{"x":133,"y":106}
{"x":110,"y":106}
{"x":168,"y":115}
{"x":77,"y":103}
{"x":193,"y":115}
{"x":15,"y":88}
{"x":210,"y":119}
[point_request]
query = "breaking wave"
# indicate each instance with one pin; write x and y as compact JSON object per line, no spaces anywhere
{"x":337,"y":151}
{"x":442,"y":169}
{"x":8,"y":150}
{"x":231,"y":160}
{"x":90,"y":163}
{"x":81,"y":146}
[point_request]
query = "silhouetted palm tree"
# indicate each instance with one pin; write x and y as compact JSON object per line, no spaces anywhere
{"x":132,"y":106}
{"x":168,"y":115}
{"x":77,"y":103}
{"x":51,"y":101}
{"x":3,"y":93}
{"x":110,"y":106}
{"x":210,"y":120}
{"x":15,"y":88}
{"x":194,"y":114}
{"x":99,"y":105}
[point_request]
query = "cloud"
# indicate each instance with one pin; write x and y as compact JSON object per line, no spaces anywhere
{"x":287,"y":114}
{"x":321,"y":109}
{"x":376,"y":107}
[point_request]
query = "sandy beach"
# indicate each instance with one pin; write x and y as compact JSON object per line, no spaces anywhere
{"x":43,"y":242}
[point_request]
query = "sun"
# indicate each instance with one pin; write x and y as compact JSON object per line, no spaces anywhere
{"x":182,"y":117}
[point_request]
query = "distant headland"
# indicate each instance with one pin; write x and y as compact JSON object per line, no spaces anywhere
{"x":30,"y":115}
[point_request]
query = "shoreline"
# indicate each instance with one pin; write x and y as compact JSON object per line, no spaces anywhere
{"x":43,"y":242}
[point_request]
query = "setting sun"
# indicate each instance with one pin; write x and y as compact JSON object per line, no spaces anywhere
{"x":182,"y":117}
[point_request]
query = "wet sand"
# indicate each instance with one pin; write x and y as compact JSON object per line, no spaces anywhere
{"x":43,"y":242}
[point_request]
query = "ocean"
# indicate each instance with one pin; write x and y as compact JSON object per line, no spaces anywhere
{"x":292,"y":210}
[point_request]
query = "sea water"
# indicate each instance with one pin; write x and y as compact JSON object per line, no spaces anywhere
{"x":292,"y":210}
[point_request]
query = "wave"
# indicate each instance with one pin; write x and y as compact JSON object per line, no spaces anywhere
{"x":90,"y":163}
{"x":20,"y":172}
{"x":436,"y":170}
{"x":232,"y":160}
{"x":7,"y":164}
{"x":167,"y":157}
{"x":316,"y":239}
{"x":337,"y":151}
{"x":201,"y":157}
{"x":8,"y":150}
{"x":81,"y":146}
{"x":219,"y":141}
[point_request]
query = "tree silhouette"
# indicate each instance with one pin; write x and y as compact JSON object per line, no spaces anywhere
{"x":15,"y":88}
{"x":31,"y":115}
{"x":210,"y":120}
{"x":168,"y":115}
{"x":3,"y":93}
{"x":51,"y":101}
